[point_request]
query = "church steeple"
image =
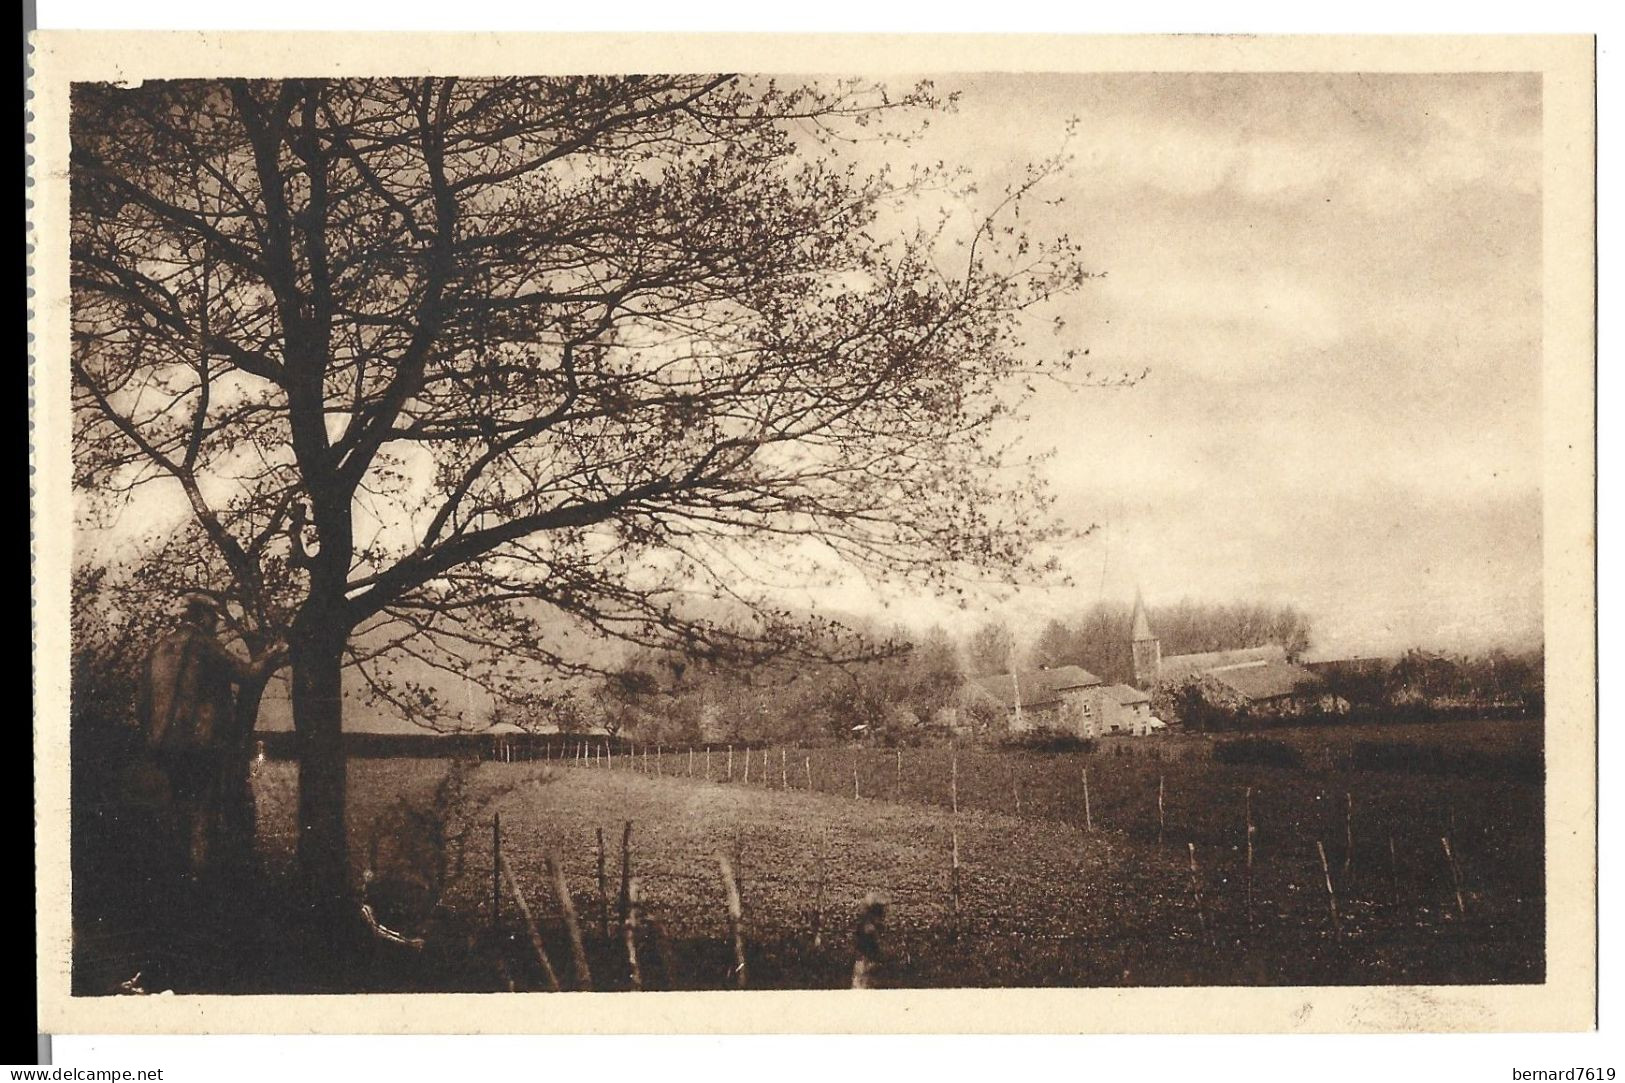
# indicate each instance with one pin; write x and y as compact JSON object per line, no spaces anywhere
{"x":1146,"y":646}
{"x":1142,"y":626}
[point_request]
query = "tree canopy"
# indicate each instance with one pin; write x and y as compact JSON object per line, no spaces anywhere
{"x":430,"y":359}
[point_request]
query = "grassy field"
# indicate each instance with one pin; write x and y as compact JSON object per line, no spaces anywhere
{"x":1052,"y":893}
{"x":1507,"y":736}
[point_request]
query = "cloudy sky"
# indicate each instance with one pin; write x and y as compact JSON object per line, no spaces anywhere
{"x":1334,"y":282}
{"x":1332,"y":285}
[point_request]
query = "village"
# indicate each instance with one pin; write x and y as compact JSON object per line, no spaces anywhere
{"x":925,"y":696}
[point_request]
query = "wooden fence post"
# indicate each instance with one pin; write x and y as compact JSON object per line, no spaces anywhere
{"x":736,"y":917}
{"x":708,"y":763}
{"x":531,"y":931}
{"x":690,"y":761}
{"x":1160,"y":818}
{"x":855,"y":793}
{"x":496,"y":871}
{"x":567,"y":907}
{"x":1250,"y":831}
{"x":818,"y":896}
{"x":1015,"y":786}
{"x":1455,"y":875}
{"x":730,"y":763}
{"x":1331,"y":893}
{"x":1348,"y":837}
{"x":603,"y":889}
{"x":1393,"y":873}
{"x":871,"y":926}
{"x":1088,"y":816}
{"x":629,"y":934}
{"x":1201,"y":903}
{"x":747,"y":765}
{"x":808,"y":764}
{"x":626,"y":871}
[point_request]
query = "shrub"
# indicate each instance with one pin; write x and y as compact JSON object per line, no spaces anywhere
{"x":1048,"y":740}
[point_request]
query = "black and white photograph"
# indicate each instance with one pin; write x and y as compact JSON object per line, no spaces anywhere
{"x":868,"y":520}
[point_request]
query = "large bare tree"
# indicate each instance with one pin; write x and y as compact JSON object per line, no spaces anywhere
{"x":430,"y":359}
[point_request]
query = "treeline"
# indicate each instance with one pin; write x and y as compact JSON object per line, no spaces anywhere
{"x":909,"y":689}
{"x":1099,"y":639}
{"x":1428,"y":684}
{"x":897,"y":693}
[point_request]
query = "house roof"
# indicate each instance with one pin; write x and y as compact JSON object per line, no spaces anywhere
{"x":1269,"y":680}
{"x":1179,"y":666}
{"x":1125,"y":695}
{"x":1347,"y":667}
{"x":1038,"y":687}
{"x":503,"y":728}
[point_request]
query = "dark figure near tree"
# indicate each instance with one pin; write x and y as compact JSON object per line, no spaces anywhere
{"x":200,"y":852}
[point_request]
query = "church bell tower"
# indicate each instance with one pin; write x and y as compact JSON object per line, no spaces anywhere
{"x":1147,"y":647}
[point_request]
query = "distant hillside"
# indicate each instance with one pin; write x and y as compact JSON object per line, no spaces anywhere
{"x":470,"y":702}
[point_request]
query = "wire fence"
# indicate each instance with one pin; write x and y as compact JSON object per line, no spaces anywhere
{"x":1124,"y":871}
{"x":1220,"y":899}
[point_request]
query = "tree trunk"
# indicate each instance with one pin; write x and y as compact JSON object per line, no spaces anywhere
{"x":316,"y":654}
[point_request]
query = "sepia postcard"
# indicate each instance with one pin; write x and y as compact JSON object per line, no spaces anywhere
{"x":752,"y":533}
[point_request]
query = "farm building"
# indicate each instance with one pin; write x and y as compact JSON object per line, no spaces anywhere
{"x":1354,"y":680}
{"x":1152,"y":670}
{"x":1180,"y":668}
{"x":1265,"y":689}
{"x":1066,"y":698}
{"x":1059,"y":698}
{"x":1120,"y":709}
{"x":1260,"y":681}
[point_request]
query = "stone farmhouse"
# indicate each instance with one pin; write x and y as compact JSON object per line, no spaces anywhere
{"x":1260,"y":681}
{"x":1033,"y":699}
{"x":1266,"y":689}
{"x":1067,"y":699}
